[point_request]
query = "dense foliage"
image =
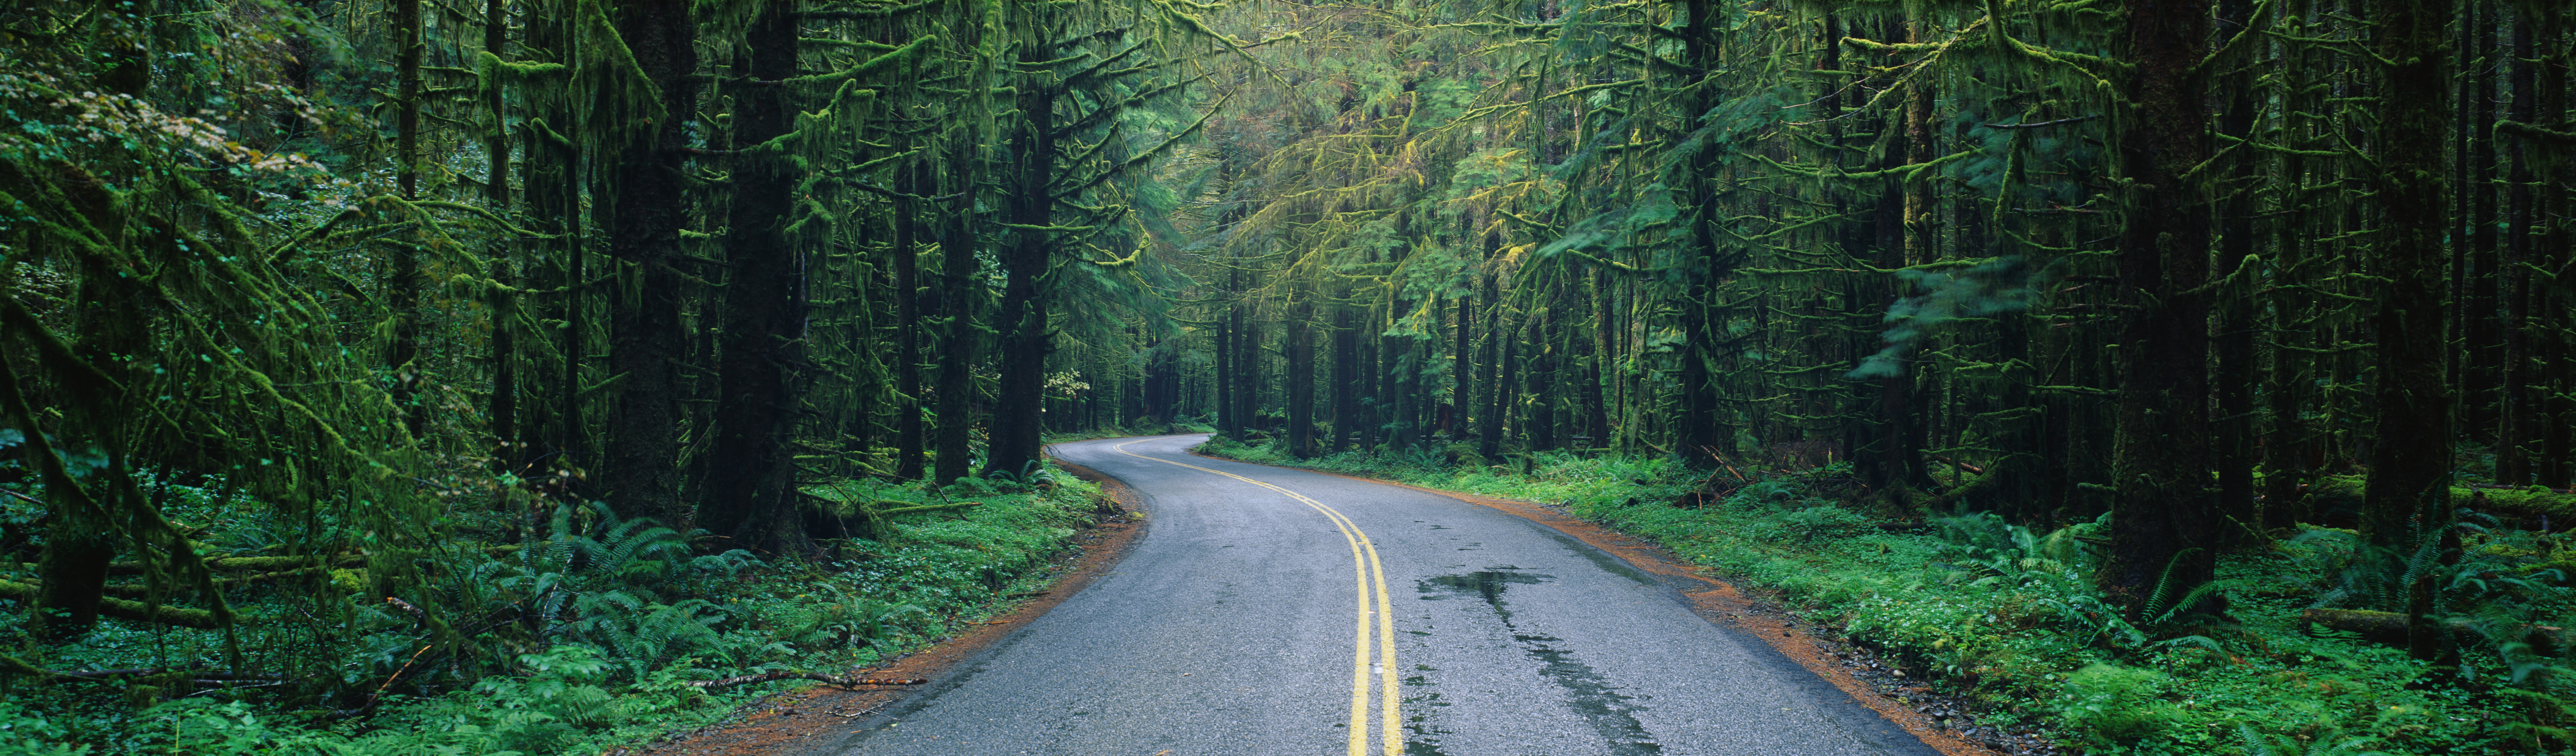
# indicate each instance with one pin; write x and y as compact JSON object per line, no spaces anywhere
{"x":498,"y":331}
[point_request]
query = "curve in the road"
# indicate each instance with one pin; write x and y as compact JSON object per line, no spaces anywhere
{"x":1369,"y":573}
{"x":1220,"y":633}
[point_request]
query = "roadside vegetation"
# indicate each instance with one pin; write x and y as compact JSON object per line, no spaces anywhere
{"x":2008,"y":616}
{"x":590,"y":632}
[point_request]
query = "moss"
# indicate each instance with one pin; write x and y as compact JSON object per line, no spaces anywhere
{"x":2347,"y":490}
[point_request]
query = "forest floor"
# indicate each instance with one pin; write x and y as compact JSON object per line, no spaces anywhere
{"x":1985,"y":633}
{"x":810,"y":718}
{"x":618,"y":665}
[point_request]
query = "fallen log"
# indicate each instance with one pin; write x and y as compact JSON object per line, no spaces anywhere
{"x":201,"y":676}
{"x":251,"y":564}
{"x":136,"y":589}
{"x":2389,"y":628}
{"x":839,"y":680}
{"x":123,"y":609}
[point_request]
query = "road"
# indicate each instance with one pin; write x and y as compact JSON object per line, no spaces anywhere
{"x":1274,"y":611}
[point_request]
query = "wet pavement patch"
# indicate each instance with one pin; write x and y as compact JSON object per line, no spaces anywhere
{"x":1611,"y":714}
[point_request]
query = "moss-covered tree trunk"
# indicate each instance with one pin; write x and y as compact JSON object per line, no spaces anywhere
{"x":1462,"y":370}
{"x":2410,"y":452}
{"x":403,"y":280}
{"x":1300,"y":378}
{"x":2407,"y":492}
{"x":1698,"y":436}
{"x":1022,"y":319}
{"x":82,"y":534}
{"x":750,"y":496}
{"x":2514,"y":405}
{"x":2163,"y":515}
{"x":959,"y":302}
{"x":1346,"y":376}
{"x":645,"y":214}
{"x":908,"y":425}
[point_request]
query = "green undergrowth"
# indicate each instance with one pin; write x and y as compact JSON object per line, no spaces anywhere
{"x":1979,"y":608}
{"x":2344,"y":491}
{"x":608,"y":623}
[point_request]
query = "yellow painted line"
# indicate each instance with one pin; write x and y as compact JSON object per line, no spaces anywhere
{"x":1370,"y":577}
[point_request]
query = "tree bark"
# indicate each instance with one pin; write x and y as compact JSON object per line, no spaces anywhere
{"x":2513,"y":398}
{"x":750,"y":496}
{"x":2162,"y":516}
{"x":2410,"y":458}
{"x":647,"y":208}
{"x":959,"y":298}
{"x":1301,"y":380}
{"x":908,"y":428}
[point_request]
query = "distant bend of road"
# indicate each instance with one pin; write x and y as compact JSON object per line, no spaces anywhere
{"x":1276,"y":611}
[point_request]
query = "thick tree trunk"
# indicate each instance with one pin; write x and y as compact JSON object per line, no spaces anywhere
{"x":2410,"y":456}
{"x":1014,"y":427}
{"x":2162,"y":518}
{"x":647,"y":209}
{"x":958,"y":302}
{"x":750,"y":495}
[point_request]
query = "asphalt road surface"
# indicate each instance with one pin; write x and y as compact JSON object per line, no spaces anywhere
{"x":1273,"y":611}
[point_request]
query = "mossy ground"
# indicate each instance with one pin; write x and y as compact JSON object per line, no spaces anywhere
{"x":871,"y":601}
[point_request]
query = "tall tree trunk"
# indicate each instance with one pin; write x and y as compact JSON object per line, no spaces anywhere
{"x":751,"y":496}
{"x":2484,"y":348}
{"x":2513,"y":399}
{"x":1301,"y":380}
{"x":1225,"y":422}
{"x":1541,"y":376}
{"x":403,"y":285}
{"x":2410,"y":457}
{"x":959,"y":300}
{"x":502,"y":409}
{"x":2161,"y":468}
{"x":1462,"y":370}
{"x":82,"y":534}
{"x":2233,"y":319}
{"x":909,"y":428}
{"x":646,"y":211}
{"x":1023,"y":317}
{"x":1346,"y":373}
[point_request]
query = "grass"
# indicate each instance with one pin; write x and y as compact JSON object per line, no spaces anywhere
{"x":615,"y":668}
{"x":2009,"y":618}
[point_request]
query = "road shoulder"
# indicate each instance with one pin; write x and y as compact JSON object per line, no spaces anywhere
{"x":1726,"y":605}
{"x":819,"y":718}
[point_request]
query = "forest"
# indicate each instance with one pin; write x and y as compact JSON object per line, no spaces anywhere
{"x":364,"y":362}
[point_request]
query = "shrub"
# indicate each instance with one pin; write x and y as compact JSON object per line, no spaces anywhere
{"x":2111,"y":707}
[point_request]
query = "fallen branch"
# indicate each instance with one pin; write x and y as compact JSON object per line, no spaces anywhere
{"x":801,"y":675}
{"x":123,"y":609}
{"x":245,"y":564}
{"x":928,"y":508}
{"x":134,"y":589}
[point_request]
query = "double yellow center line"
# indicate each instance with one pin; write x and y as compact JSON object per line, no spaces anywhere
{"x":1370,"y":580}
